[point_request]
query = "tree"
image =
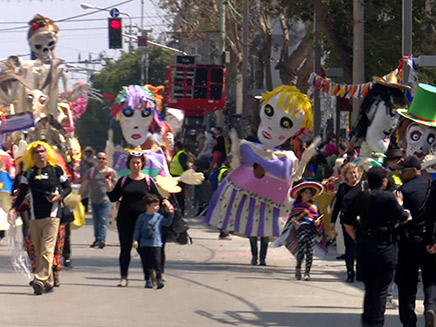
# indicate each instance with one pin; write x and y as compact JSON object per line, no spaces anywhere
{"x":93,"y":126}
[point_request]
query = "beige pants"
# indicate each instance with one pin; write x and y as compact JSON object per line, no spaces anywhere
{"x":44,"y":233}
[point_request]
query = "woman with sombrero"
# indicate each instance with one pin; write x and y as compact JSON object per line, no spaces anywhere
{"x":304,"y":217}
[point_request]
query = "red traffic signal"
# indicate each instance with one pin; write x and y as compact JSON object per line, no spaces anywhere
{"x":115,"y":33}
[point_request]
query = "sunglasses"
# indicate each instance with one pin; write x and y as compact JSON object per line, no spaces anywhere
{"x":136,"y":153}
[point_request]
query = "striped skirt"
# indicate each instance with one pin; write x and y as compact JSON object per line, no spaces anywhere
{"x":237,"y":211}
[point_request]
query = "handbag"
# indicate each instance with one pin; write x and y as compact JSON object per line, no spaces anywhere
{"x":67,"y":214}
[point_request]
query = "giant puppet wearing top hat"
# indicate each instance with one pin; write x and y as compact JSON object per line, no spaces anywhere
{"x":421,"y":133}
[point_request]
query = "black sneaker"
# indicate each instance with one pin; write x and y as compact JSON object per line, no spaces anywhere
{"x":94,"y":244}
{"x":149,"y":284}
{"x":48,"y":289}
{"x":101,"y":244}
{"x":262,"y":263}
{"x":67,"y":263}
{"x":38,"y":287}
{"x":253,"y":261}
{"x":160,"y":284}
{"x":298,"y":273}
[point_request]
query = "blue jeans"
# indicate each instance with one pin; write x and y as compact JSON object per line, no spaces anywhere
{"x":100,"y":216}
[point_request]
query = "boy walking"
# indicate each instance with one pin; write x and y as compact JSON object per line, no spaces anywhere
{"x":147,"y":238}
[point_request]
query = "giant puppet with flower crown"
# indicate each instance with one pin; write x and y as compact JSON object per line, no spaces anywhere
{"x":138,"y":109}
{"x":255,"y":197}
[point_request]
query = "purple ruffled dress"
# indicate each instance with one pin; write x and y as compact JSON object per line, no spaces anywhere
{"x":253,"y":206}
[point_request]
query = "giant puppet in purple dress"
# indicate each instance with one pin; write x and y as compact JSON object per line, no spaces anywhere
{"x":254,"y":198}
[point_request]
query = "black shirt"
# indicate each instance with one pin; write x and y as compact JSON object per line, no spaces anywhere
{"x":415,"y":195}
{"x":132,"y":194}
{"x":376,"y":208}
{"x":430,"y":217}
{"x":343,"y":189}
{"x":42,"y":182}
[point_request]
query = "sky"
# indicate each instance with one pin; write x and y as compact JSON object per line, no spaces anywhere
{"x":82,"y":37}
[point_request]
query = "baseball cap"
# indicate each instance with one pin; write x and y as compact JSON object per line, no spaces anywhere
{"x":375,"y":176}
{"x":88,"y":148}
{"x":408,"y":162}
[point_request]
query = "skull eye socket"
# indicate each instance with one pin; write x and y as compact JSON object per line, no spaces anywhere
{"x":42,"y":99}
{"x":431,"y":138}
{"x":51,"y":44}
{"x":269,"y":111}
{"x":30,"y":98}
{"x":286,"y":123}
{"x":416,"y":136}
{"x":128,"y":112}
{"x":38,"y":46}
{"x":146,"y":113}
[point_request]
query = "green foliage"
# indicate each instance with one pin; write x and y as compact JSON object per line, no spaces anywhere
{"x":92,"y":127}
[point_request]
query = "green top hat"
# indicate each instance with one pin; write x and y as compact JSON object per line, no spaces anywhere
{"x":423,"y":107}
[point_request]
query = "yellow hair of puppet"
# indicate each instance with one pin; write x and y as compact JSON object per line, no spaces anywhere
{"x":29,"y":159}
{"x":292,"y":101}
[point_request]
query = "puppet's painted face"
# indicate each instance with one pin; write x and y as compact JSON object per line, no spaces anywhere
{"x":420,"y":140}
{"x":383,"y":123}
{"x":276,"y":126}
{"x":43,"y":45}
{"x":135,"y":125}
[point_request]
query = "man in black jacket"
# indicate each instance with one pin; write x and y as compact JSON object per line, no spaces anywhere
{"x":412,"y":254}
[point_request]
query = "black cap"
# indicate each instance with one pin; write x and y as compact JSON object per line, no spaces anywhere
{"x":408,"y":162}
{"x":394,"y":153}
{"x":375,"y":176}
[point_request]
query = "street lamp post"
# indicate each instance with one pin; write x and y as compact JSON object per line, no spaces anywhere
{"x":89,"y":6}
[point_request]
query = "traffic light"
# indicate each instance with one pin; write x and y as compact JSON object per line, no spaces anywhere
{"x":115,"y":33}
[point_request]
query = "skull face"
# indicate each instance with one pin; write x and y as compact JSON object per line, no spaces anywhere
{"x":43,"y":45}
{"x":37,"y":103}
{"x":420,"y":140}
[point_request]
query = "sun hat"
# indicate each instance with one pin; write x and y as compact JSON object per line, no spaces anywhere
{"x":423,"y":107}
{"x":317,"y":188}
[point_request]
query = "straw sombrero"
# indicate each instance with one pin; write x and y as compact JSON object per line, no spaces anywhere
{"x":316,"y":187}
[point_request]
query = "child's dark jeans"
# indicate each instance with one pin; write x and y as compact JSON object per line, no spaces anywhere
{"x":151,"y":259}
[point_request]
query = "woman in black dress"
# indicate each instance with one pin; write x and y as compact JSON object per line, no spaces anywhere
{"x":132,"y":190}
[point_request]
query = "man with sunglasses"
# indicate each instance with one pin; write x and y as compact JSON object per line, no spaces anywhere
{"x":412,"y":253}
{"x":95,"y":181}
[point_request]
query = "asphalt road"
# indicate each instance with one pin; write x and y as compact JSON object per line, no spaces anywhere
{"x":209,"y":283}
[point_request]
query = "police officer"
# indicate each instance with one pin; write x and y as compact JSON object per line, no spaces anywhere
{"x":371,"y":220}
{"x":430,"y":241}
{"x":412,"y":254}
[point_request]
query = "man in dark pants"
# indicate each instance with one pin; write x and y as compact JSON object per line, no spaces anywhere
{"x":430,"y":241}
{"x":379,"y":213}
{"x":412,"y":254}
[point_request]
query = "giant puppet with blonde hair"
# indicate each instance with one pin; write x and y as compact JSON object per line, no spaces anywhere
{"x":255,"y":196}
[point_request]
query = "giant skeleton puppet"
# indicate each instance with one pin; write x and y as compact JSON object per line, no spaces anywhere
{"x":378,"y":119}
{"x":255,"y":197}
{"x":421,"y":131}
{"x":141,"y":124}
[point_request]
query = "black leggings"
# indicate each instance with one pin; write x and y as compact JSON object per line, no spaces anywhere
{"x":126,"y":229}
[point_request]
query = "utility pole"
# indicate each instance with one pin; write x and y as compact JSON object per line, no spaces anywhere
{"x":222,"y":55}
{"x":317,"y":66}
{"x":407,"y":35}
{"x":245,"y":54}
{"x":358,"y":52}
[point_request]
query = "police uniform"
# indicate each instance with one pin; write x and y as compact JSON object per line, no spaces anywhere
{"x":412,"y":254}
{"x":374,"y":214}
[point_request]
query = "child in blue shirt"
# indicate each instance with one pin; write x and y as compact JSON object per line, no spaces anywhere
{"x":147,"y":238}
